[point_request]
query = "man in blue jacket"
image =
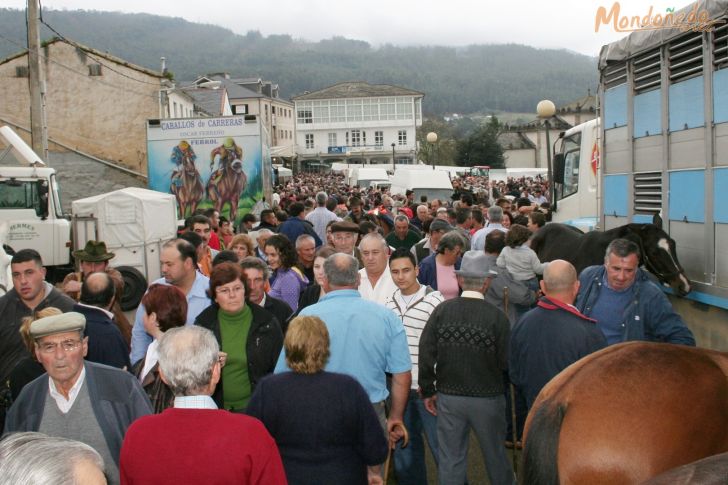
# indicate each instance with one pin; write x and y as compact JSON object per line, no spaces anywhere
{"x":626,"y":303}
{"x":296,"y":225}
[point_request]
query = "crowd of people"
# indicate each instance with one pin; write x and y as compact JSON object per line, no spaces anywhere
{"x":328,"y":329}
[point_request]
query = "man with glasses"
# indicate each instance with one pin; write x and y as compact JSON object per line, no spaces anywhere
{"x":82,"y":401}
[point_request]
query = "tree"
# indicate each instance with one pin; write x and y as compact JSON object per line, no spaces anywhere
{"x":482,"y":147}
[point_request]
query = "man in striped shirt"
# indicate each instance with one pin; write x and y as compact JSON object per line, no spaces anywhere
{"x":413,"y":303}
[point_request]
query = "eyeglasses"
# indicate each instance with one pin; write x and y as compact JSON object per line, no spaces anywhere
{"x":66,"y":345}
{"x":229,"y":291}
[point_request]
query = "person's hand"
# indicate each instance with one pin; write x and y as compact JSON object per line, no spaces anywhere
{"x":431,"y":405}
{"x":72,"y":286}
{"x":374,"y":475}
{"x":396,"y":431}
{"x":222,"y":358}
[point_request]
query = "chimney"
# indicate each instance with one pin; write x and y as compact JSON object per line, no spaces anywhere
{"x":164,"y":64}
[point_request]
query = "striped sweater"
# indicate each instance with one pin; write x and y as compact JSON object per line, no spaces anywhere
{"x":414,"y":314}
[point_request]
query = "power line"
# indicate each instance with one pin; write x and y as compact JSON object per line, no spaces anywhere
{"x":85,"y":76}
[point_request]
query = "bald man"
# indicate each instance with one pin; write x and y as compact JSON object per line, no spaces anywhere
{"x":553,"y":335}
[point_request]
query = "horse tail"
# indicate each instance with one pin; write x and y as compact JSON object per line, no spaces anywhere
{"x":540,"y":454}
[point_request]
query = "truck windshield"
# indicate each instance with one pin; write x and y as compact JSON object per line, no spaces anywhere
{"x":571,"y":149}
{"x":15,"y":194}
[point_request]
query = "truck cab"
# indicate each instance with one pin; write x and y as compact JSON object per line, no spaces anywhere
{"x":30,"y":204}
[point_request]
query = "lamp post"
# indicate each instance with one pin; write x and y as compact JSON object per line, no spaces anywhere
{"x":393,"y":167}
{"x":432,"y":139}
{"x":348,"y":159}
{"x":545,"y":110}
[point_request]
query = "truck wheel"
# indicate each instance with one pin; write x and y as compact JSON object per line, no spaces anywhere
{"x":135,"y":285}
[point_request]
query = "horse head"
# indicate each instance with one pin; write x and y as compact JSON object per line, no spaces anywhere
{"x":5,"y":274}
{"x":659,"y":256}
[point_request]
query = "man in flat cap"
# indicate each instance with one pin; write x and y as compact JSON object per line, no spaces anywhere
{"x":345,"y":236}
{"x":83,"y":401}
{"x":95,"y":258}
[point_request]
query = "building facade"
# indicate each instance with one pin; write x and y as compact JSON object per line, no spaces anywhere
{"x":358,"y":122}
{"x":95,"y":103}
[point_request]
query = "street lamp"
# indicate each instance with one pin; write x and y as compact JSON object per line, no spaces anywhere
{"x":432,"y":139}
{"x":393,"y":167}
{"x":348,"y":158}
{"x":545,"y":110}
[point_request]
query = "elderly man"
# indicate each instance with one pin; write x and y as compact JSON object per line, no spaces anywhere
{"x":194,"y":442}
{"x":321,"y":216}
{"x":179,"y":268}
{"x":553,"y":335}
{"x":83,"y":401}
{"x":256,"y":274}
{"x":626,"y":303}
{"x":345,"y":235}
{"x":422,"y":214}
{"x":402,"y":236}
{"x":201,"y":226}
{"x":105,"y":343}
{"x":94,"y":258}
{"x":29,"y":294}
{"x":463,"y":354}
{"x":495,"y":216}
{"x":367,"y":340}
{"x":305,"y":255}
{"x":376,"y":281}
{"x":413,"y":303}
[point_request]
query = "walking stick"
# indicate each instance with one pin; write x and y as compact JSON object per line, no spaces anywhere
{"x":514,"y":424}
{"x":405,"y":442}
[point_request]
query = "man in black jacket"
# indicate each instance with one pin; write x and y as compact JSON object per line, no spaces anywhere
{"x":105,"y":343}
{"x":462,"y":356}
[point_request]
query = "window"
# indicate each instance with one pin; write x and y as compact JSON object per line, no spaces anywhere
{"x":379,"y":138}
{"x":174,"y":104}
{"x":240,"y":109}
{"x":273,"y":110}
{"x":305,"y":115}
{"x":570,"y":186}
{"x":404,"y":108}
{"x":355,"y":138}
{"x":266,"y":112}
{"x":309,"y":140}
{"x":24,"y":195}
{"x":21,"y":71}
{"x":94,"y":69}
{"x":402,"y":137}
{"x":332,"y":140}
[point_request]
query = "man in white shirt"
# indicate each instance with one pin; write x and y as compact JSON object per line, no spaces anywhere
{"x":321,"y":216}
{"x":376,"y":281}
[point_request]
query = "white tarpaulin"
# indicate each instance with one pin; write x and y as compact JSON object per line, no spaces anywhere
{"x":133,"y":222}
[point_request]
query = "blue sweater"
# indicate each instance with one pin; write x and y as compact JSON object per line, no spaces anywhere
{"x":324,"y":425}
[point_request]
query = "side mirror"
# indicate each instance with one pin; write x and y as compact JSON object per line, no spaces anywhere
{"x":558,"y":169}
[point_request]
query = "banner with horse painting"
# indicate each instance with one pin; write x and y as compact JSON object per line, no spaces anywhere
{"x":208,"y":162}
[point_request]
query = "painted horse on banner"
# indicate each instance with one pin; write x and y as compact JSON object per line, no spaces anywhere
{"x":626,"y":414}
{"x":559,"y":241}
{"x":186,"y":182}
{"x":227,"y":183}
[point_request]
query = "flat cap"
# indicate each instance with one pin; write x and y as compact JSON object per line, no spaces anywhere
{"x":440,"y":225}
{"x":65,"y":322}
{"x":344,"y":226}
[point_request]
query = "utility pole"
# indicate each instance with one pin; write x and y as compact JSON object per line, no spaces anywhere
{"x":36,"y":82}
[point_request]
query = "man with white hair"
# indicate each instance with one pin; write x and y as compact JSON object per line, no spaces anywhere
{"x":376,"y":281}
{"x":495,"y":216}
{"x":194,"y":442}
{"x":321,"y":216}
{"x":76,"y":399}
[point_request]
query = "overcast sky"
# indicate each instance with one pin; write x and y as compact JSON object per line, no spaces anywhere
{"x":565,"y":24}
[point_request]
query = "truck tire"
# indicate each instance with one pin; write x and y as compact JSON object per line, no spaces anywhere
{"x":135,"y":285}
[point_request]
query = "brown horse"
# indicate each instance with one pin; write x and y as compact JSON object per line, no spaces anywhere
{"x":626,"y":414}
{"x":227,"y":183}
{"x":187,"y":187}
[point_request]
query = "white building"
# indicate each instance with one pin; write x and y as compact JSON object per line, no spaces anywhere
{"x":358,"y":122}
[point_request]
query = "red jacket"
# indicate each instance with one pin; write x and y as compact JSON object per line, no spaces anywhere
{"x":199,"y":446}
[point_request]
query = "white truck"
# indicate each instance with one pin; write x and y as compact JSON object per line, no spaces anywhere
{"x":660,"y":146}
{"x":364,"y":177}
{"x":434,"y":184}
{"x":132,"y":222}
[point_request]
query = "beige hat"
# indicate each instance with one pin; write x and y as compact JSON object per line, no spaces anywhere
{"x":65,"y":322}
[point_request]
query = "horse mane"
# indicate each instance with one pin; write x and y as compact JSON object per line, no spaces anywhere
{"x":540,"y":454}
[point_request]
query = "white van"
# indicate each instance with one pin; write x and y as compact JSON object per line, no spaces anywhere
{"x":434,"y":184}
{"x":364,"y":176}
